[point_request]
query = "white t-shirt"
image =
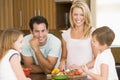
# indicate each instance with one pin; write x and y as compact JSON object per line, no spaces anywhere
{"x":106,"y":57}
{"x":51,"y":48}
{"x":6,"y":71}
{"x":79,"y":51}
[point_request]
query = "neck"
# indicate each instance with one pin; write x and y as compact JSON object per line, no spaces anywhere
{"x":103,"y":48}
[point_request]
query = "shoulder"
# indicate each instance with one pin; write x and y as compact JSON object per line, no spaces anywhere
{"x":28,"y":37}
{"x":66,"y":34}
{"x":13,"y":51}
{"x":53,"y":38}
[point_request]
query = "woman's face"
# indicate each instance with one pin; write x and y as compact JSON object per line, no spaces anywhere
{"x":19,"y":44}
{"x":78,"y":16}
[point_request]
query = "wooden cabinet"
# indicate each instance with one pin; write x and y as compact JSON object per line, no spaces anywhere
{"x":25,"y":9}
{"x":22,"y":11}
{"x":6,"y":14}
{"x":17,"y":13}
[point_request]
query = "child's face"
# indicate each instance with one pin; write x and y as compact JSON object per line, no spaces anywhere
{"x":19,"y":44}
{"x":95,"y":42}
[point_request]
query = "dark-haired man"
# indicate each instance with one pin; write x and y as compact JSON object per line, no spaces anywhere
{"x":41,"y":50}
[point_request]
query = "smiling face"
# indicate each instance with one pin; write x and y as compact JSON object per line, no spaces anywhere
{"x":78,"y":16}
{"x":40,"y":32}
{"x":95,"y":42}
{"x":19,"y":44}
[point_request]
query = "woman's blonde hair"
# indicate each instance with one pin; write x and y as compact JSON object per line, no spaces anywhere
{"x":87,"y":17}
{"x":7,"y":39}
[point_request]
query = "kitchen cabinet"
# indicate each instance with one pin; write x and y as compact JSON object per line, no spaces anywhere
{"x":25,"y":9}
{"x":62,"y":13}
{"x":6,"y":14}
{"x":17,"y":13}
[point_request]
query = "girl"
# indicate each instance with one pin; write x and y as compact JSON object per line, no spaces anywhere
{"x":104,"y":67}
{"x":10,"y":47}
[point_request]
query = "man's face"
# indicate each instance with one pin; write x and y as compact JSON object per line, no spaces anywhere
{"x":40,"y":32}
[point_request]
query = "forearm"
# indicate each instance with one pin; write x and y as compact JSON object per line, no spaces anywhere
{"x":90,"y":64}
{"x":44,"y":63}
{"x":95,"y":76}
{"x":35,"y":68}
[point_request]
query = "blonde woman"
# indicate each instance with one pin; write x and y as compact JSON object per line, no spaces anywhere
{"x":10,"y":48}
{"x":76,"y":41}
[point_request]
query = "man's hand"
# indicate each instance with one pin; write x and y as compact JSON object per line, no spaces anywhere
{"x":34,"y":42}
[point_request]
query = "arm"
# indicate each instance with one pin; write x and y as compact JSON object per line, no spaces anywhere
{"x":95,"y":51}
{"x":103,"y":75}
{"x":46,"y":64}
{"x":64,"y":55}
{"x":16,"y":66}
{"x":28,"y":62}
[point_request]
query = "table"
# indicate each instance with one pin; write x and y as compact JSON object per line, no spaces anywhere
{"x":42,"y":76}
{"x":38,"y":76}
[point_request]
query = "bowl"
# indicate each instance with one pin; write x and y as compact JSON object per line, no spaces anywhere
{"x":59,"y":77}
{"x":27,"y":71}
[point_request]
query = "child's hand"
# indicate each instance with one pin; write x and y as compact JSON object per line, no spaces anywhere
{"x":85,"y":68}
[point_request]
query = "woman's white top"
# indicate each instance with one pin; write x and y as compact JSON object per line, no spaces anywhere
{"x":106,"y":57}
{"x":6,"y":71}
{"x":79,"y":51}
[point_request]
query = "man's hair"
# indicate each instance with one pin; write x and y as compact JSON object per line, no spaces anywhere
{"x":37,"y":20}
{"x":104,"y":35}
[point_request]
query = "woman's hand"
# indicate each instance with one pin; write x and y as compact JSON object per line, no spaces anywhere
{"x":74,"y":66}
{"x":62,"y":66}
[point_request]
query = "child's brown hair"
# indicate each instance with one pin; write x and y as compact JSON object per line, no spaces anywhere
{"x":104,"y":35}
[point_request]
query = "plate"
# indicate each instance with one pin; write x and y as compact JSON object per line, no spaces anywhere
{"x":78,"y":76}
{"x":59,"y":77}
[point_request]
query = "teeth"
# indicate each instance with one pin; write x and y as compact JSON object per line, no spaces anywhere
{"x":78,"y":21}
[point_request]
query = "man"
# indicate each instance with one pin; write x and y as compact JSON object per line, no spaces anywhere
{"x":41,"y":50}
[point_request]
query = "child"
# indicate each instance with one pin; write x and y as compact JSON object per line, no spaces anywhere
{"x":104,"y":66}
{"x":10,"y":47}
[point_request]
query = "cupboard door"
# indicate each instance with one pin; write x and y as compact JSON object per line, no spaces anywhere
{"x":23,"y":11}
{"x":6,"y":14}
{"x":17,"y":12}
{"x":47,"y":10}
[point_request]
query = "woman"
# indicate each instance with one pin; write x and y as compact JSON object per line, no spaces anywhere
{"x":76,"y":41}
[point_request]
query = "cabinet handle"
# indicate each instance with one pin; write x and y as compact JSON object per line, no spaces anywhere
{"x":35,"y":13}
{"x":39,"y":12}
{"x":20,"y":18}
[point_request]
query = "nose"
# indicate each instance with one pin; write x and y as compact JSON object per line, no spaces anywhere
{"x":40,"y":34}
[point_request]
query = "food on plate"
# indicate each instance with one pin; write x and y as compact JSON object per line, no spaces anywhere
{"x":75,"y":72}
{"x":55,"y":71}
{"x":27,"y":71}
{"x":57,"y":75}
